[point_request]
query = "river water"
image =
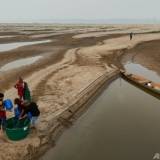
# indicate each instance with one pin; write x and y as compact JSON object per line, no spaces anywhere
{"x":122,"y":124}
{"x":138,"y":69}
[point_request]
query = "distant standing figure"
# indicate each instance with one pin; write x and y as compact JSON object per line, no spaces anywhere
{"x":23,"y":90}
{"x":131,"y":36}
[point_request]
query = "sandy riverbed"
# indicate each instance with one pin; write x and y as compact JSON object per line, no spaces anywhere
{"x":146,"y":54}
{"x":74,"y":58}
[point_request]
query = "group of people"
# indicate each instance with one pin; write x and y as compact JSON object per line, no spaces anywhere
{"x":25,"y":107}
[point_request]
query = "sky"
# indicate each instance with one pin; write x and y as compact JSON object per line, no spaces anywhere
{"x":43,"y":10}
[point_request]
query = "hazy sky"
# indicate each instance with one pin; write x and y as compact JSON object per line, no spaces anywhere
{"x":21,"y":10}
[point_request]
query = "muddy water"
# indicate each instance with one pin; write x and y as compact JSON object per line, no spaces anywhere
{"x":10,"y":46}
{"x":122,"y":124}
{"x":20,"y":63}
{"x":141,"y":70}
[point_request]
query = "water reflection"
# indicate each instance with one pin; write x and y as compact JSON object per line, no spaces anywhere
{"x":20,"y":63}
{"x":10,"y":46}
{"x":141,"y":70}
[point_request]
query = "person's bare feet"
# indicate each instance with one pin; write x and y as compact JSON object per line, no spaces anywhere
{"x":1,"y":133}
{"x":33,"y":127}
{"x":3,"y":137}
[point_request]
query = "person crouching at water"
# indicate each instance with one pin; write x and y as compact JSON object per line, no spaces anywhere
{"x":2,"y":113}
{"x":23,"y":90}
{"x":32,"y":108}
{"x":19,"y":107}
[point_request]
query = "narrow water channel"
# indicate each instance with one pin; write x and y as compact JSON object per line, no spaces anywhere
{"x":122,"y":124}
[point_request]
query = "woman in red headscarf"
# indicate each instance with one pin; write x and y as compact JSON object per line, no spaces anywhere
{"x":20,"y":88}
{"x":23,"y":90}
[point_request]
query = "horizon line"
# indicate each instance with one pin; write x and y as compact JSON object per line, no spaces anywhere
{"x":87,"y":21}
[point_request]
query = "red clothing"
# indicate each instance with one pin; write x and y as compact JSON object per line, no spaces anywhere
{"x":20,"y":88}
{"x":2,"y":111}
{"x":2,"y":114}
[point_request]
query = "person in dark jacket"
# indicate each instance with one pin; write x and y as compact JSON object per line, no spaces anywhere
{"x":32,"y":108}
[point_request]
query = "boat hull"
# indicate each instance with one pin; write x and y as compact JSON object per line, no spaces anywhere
{"x":142,"y":85}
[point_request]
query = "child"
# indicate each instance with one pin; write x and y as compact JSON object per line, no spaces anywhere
{"x":2,"y":113}
{"x":19,"y":108}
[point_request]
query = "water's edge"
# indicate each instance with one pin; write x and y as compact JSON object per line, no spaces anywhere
{"x":73,"y":112}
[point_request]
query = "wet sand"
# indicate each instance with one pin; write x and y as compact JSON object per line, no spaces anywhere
{"x":146,"y":54}
{"x":52,"y":52}
{"x":68,"y":66}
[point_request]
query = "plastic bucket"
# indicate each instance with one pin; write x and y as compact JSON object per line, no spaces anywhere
{"x":17,"y":129}
{"x":8,"y":104}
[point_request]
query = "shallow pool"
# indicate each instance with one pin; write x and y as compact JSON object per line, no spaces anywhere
{"x":20,"y":63}
{"x":7,"y":36}
{"x":10,"y":46}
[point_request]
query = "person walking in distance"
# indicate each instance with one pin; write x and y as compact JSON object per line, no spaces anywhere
{"x":131,"y":36}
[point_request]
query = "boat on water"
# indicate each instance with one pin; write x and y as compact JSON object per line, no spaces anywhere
{"x":142,"y":82}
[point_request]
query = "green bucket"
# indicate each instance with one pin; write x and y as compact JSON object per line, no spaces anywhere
{"x":17,"y":129}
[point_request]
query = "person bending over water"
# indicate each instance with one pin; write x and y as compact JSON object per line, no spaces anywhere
{"x":32,"y":108}
{"x":19,"y":107}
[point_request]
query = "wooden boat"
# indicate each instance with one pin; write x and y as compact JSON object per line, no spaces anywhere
{"x":143,"y":83}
